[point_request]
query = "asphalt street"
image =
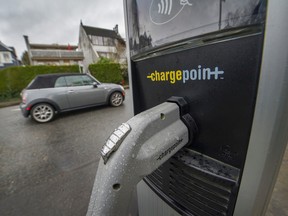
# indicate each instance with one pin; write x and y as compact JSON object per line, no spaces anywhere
{"x":49,"y":169}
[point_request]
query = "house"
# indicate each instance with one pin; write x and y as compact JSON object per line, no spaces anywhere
{"x":98,"y":42}
{"x":53,"y":54}
{"x":8,"y":56}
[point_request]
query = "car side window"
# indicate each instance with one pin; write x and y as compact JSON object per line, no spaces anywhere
{"x":74,"y":81}
{"x":80,"y":80}
{"x":87,"y":80}
{"x":60,"y":82}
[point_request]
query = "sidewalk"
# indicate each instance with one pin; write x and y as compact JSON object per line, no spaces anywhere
{"x":13,"y":102}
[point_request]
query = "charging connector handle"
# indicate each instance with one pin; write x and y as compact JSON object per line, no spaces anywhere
{"x":134,"y":150}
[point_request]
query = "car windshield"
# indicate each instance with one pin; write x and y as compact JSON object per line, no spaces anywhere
{"x":97,"y":81}
{"x":28,"y":86}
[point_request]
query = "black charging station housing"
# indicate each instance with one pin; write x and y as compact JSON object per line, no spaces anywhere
{"x":215,"y":63}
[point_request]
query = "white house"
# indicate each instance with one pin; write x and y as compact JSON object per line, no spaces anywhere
{"x":8,"y":56}
{"x":53,"y":54}
{"x":98,"y":42}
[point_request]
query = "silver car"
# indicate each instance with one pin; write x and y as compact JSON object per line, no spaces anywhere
{"x":49,"y":94}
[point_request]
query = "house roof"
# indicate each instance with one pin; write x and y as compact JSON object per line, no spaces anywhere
{"x":100,"y":32}
{"x":53,"y":46}
{"x":3,"y":47}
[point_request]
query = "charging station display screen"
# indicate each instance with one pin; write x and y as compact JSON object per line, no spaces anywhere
{"x":158,"y":22}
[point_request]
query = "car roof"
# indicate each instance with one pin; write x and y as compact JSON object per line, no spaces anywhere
{"x":47,"y":80}
{"x":58,"y":74}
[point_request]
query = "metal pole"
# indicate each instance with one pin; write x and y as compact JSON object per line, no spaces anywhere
{"x":220,"y":13}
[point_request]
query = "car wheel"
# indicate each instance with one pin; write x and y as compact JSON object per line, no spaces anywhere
{"x":42,"y":113}
{"x":116,"y":99}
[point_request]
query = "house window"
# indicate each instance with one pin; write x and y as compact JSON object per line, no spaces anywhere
{"x":107,"y":55}
{"x":102,"y":41}
{"x":6,"y":58}
{"x":108,"y":41}
{"x":97,"y":40}
{"x":105,"y":41}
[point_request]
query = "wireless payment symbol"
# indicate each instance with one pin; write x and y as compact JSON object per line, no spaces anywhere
{"x":164,"y":11}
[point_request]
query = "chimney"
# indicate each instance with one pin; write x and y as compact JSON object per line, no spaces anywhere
{"x":27,"y":42}
{"x":116,"y":29}
{"x":28,"y":48}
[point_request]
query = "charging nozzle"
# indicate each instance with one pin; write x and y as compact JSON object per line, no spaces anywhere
{"x":136,"y":149}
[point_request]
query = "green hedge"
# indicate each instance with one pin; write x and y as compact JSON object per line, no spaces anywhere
{"x":107,"y":73}
{"x":14,"y":79}
{"x":124,"y":72}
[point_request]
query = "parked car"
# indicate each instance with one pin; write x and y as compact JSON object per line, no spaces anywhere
{"x":49,"y":94}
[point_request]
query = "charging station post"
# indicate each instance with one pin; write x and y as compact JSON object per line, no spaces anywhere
{"x":230,"y":59}
{"x":226,"y":61}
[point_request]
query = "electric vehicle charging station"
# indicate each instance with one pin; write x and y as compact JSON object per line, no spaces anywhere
{"x":227,"y":60}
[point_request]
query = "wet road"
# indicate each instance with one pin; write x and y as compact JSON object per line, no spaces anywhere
{"x":49,"y":169}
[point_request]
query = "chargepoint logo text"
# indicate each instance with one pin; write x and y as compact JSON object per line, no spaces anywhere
{"x":169,"y":150}
{"x":186,"y":75}
{"x":164,"y":11}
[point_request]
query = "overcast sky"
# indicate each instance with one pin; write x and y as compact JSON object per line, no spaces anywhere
{"x":55,"y":21}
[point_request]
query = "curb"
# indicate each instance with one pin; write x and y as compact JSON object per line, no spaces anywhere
{"x":9,"y":103}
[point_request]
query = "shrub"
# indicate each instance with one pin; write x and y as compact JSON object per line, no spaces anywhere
{"x":109,"y":73}
{"x":124,"y":72}
{"x":104,"y":60}
{"x":14,"y":79}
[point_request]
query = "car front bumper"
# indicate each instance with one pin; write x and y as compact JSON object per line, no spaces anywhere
{"x":25,"y":109}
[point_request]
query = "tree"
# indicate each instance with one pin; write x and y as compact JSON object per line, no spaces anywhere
{"x":25,"y":58}
{"x":104,"y":60}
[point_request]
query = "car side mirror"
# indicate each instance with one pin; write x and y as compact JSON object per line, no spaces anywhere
{"x":95,"y":85}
